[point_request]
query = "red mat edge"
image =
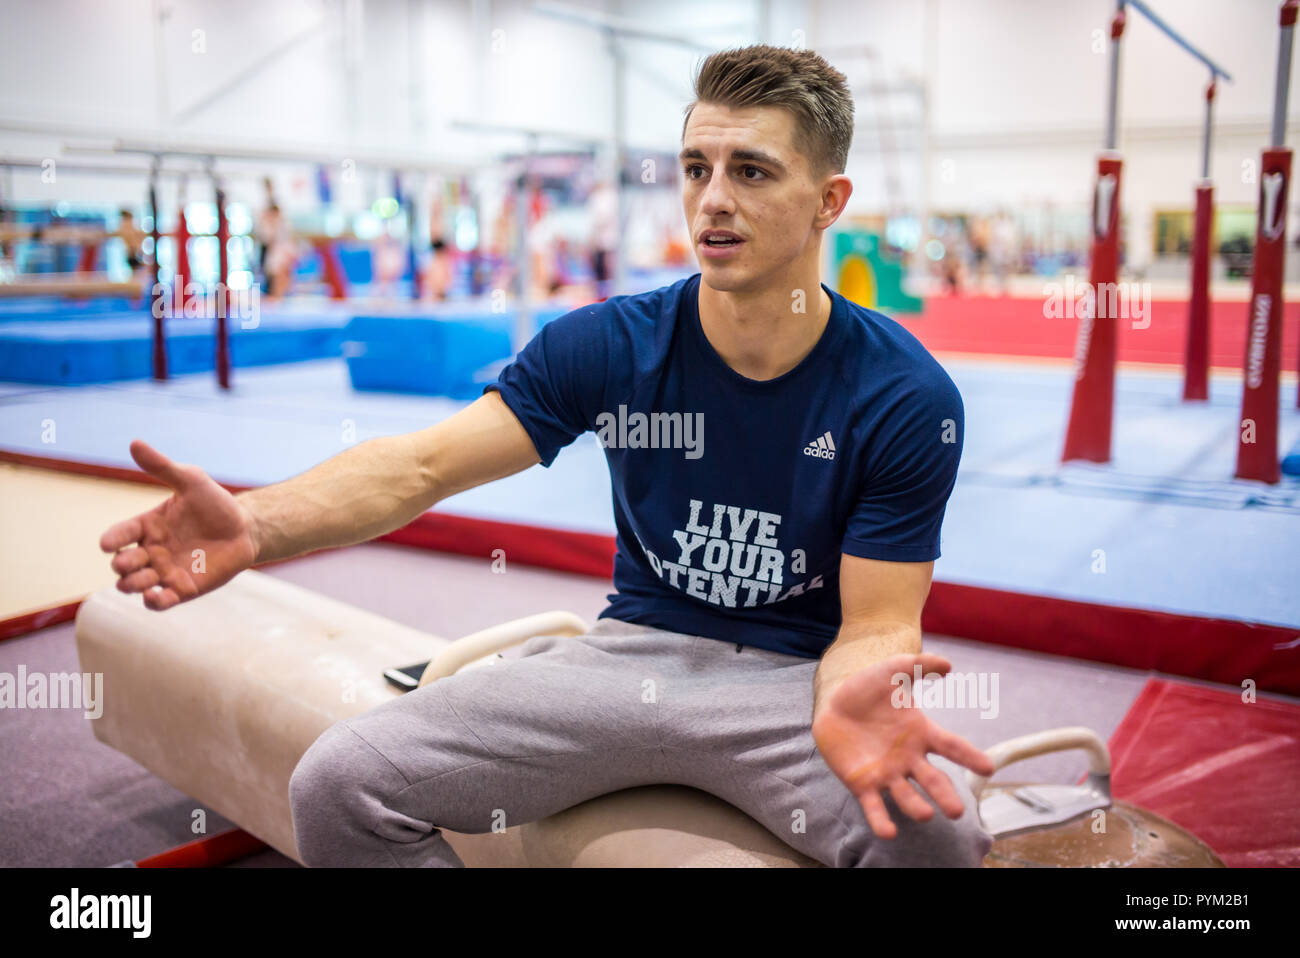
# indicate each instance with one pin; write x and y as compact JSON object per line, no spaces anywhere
{"x":1225,"y":651}
{"x":12,"y":628}
{"x":210,"y":852}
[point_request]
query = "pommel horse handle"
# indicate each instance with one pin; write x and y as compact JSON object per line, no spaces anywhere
{"x":465,"y":650}
{"x":1040,"y":743}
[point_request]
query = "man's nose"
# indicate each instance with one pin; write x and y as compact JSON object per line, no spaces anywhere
{"x":717,"y":197}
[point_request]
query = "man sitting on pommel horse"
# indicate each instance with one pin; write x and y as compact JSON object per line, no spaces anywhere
{"x":769,"y":579}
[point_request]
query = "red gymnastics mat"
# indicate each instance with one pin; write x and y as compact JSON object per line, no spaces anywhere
{"x":1011,"y":326}
{"x":1225,"y":769}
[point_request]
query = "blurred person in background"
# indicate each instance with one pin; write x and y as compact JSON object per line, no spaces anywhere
{"x":543,"y":252}
{"x":281,"y":251}
{"x":978,"y":238}
{"x":8,"y":262}
{"x":952,"y":266}
{"x":603,"y":206}
{"x":437,"y":272}
{"x":1004,"y":247}
{"x":388,"y":262}
{"x":562,"y":275}
{"x":262,"y":229}
{"x":132,"y":238}
{"x":501,"y":248}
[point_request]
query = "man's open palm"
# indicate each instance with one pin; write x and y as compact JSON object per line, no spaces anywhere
{"x":194,"y":542}
{"x":872,"y":744}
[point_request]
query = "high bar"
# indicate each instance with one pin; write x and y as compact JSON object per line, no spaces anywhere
{"x":1175,"y":36}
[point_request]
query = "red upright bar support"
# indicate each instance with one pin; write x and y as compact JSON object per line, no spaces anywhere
{"x":1257,"y":446}
{"x":156,"y":301}
{"x":1092,"y":409}
{"x":1196,"y":360}
{"x":1196,"y":372}
{"x":223,"y":293}
{"x":334,"y":275}
{"x":1290,"y":11}
{"x":182,"y":240}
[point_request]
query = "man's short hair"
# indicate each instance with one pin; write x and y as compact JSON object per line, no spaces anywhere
{"x":798,"y":80}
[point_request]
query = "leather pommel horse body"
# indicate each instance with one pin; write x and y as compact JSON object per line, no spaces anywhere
{"x":221,"y":696}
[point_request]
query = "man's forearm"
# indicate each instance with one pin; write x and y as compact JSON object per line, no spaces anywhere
{"x":854,"y":649}
{"x":363,"y":492}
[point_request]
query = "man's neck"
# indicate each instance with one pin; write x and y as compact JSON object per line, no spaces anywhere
{"x":764,"y":335}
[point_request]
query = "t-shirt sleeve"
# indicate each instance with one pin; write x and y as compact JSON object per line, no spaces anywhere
{"x":556,"y":385}
{"x":899,"y":512}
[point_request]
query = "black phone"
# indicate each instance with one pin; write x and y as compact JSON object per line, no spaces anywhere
{"x":407,"y":678}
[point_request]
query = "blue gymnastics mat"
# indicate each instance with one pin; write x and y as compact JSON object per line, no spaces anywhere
{"x":101,"y":350}
{"x":35,"y":308}
{"x":453,"y":353}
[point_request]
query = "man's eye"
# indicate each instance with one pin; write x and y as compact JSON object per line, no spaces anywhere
{"x":691,"y":169}
{"x":755,"y":169}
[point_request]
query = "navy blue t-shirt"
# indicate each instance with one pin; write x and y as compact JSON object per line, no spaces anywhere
{"x":734,"y":498}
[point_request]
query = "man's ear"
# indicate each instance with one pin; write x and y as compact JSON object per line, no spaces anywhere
{"x":835,"y":196}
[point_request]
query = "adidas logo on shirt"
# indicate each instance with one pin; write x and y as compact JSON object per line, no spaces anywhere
{"x":823,"y":447}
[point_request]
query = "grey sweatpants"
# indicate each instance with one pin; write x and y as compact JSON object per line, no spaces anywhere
{"x":557,"y":721}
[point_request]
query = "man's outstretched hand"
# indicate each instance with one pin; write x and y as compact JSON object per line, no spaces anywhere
{"x":873,"y":745}
{"x":199,"y":539}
